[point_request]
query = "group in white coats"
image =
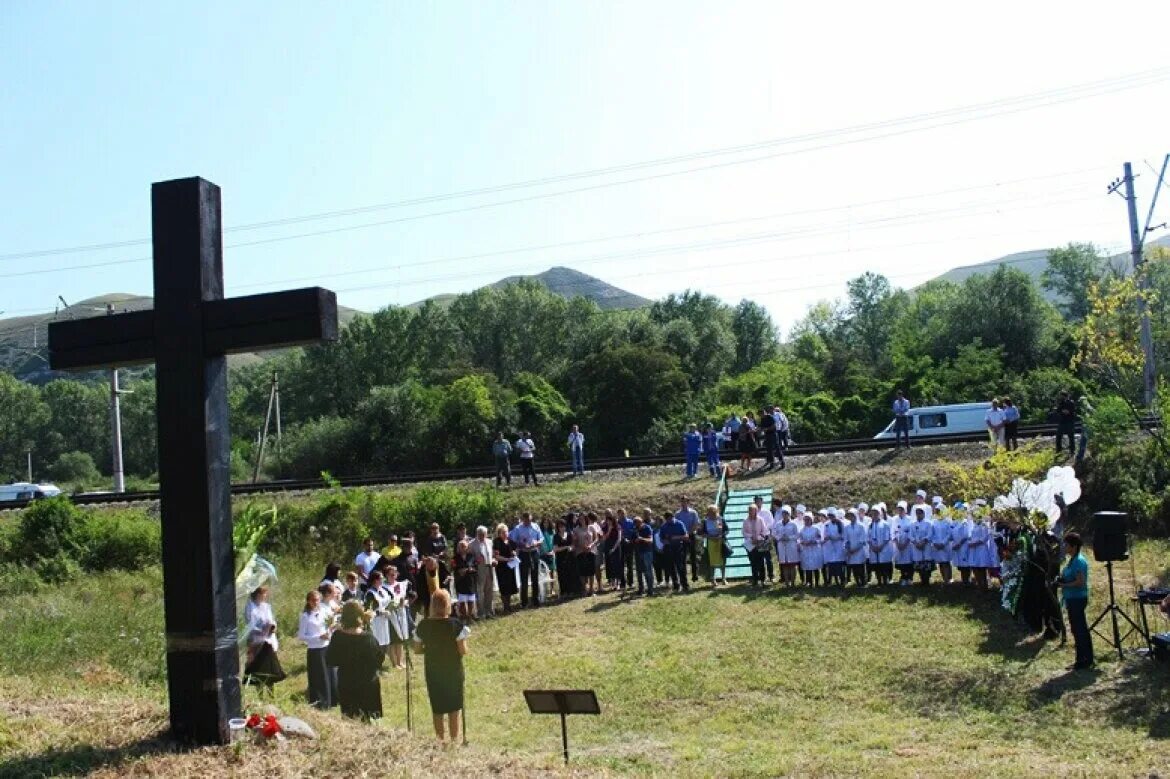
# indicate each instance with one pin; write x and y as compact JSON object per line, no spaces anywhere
{"x":864,"y":543}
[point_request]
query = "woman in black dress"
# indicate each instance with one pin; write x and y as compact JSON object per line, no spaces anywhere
{"x":443,"y":642}
{"x":356,"y":655}
{"x":567,"y":580}
{"x":613,"y":552}
{"x":746,"y":444}
{"x":503,"y":550}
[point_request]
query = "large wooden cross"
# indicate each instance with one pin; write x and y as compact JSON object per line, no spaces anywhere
{"x":187,"y":336}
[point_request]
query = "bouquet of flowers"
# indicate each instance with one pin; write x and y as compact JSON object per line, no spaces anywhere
{"x":264,"y":728}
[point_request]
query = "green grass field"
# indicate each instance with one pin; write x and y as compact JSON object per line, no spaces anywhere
{"x":907,"y":682}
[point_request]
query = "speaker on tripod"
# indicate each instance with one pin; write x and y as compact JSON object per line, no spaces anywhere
{"x":1110,"y":545}
{"x":1110,"y":536}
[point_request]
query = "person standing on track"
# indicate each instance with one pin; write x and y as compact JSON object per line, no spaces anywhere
{"x":901,"y":419}
{"x":711,"y":449}
{"x":692,"y":447}
{"x":527,"y":449}
{"x":502,"y":452}
{"x":576,"y":444}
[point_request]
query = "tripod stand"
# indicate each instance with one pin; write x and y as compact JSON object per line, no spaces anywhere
{"x":1113,"y":611}
{"x":409,"y":670}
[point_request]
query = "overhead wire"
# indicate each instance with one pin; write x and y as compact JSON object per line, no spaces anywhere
{"x":989,"y":110}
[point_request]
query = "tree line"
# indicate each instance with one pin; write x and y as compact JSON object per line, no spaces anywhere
{"x":427,"y":387}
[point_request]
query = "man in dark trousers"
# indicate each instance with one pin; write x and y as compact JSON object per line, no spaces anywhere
{"x":527,"y":537}
{"x":771,"y":438}
{"x":1066,"y":421}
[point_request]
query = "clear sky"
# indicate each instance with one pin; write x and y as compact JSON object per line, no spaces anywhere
{"x":298,"y":109}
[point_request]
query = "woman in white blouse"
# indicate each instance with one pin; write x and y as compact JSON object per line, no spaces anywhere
{"x":313,"y":629}
{"x":810,"y":552}
{"x":262,"y":667}
{"x":787,"y":546}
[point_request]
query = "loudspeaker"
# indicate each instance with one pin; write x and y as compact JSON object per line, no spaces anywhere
{"x":1110,"y":536}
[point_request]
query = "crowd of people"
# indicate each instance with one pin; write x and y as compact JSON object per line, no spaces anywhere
{"x":424,"y":593}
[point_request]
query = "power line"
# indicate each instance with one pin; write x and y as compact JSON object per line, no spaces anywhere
{"x":980,"y":110}
{"x":564,"y":244}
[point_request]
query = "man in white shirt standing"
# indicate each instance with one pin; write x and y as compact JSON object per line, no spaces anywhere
{"x":366,"y":559}
{"x":577,"y":450}
{"x":995,"y":420}
{"x":527,"y":449}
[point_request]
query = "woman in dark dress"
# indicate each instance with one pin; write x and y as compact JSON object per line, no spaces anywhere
{"x":503,"y":550}
{"x":746,"y":444}
{"x":356,"y":655}
{"x":613,"y":552}
{"x":443,"y":642}
{"x":567,"y":580}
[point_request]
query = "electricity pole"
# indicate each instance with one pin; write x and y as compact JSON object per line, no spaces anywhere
{"x":116,"y":424}
{"x":1137,"y":240}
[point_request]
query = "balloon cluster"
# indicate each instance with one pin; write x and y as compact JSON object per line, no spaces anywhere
{"x":1045,"y":499}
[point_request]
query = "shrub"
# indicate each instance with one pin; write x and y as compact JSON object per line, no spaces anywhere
{"x":74,"y":468}
{"x":127,"y":540}
{"x":48,"y":528}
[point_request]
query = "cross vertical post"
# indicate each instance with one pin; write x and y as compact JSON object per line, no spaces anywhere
{"x":193,"y":459}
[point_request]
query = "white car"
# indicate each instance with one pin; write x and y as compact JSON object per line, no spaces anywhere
{"x":954,"y":419}
{"x":25,"y":490}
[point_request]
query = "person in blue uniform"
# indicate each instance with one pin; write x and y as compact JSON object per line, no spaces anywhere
{"x":711,"y":449}
{"x":674,"y":537}
{"x":692,"y":447}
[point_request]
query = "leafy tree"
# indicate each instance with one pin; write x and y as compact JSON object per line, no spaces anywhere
{"x":78,"y":419}
{"x":975,"y":373}
{"x":394,"y":425}
{"x":1000,"y":309}
{"x":755,"y":336}
{"x":541,"y":409}
{"x":870,"y":300}
{"x":705,"y":345}
{"x":623,"y":390}
{"x":74,"y":468}
{"x":1071,"y":270}
{"x":468,"y":418}
{"x":139,"y":427}
{"x":25,"y":416}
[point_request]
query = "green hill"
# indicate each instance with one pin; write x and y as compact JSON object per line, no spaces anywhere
{"x":567,"y":283}
{"x":1033,"y":263}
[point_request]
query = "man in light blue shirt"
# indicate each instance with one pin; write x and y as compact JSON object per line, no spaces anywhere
{"x":690,"y":520}
{"x":528,"y":537}
{"x":576,"y":444}
{"x":901,"y":419}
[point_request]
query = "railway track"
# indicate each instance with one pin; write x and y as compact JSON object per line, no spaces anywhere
{"x":554,"y":467}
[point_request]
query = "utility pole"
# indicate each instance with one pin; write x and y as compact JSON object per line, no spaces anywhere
{"x":273,"y":398}
{"x":30,"y":465}
{"x":1137,"y":240}
{"x":276,"y":395}
{"x":116,"y":424}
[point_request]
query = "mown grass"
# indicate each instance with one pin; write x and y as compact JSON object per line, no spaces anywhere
{"x":931,"y":682}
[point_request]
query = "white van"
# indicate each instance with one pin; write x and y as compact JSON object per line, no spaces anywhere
{"x":954,"y":419}
{"x":24,"y":490}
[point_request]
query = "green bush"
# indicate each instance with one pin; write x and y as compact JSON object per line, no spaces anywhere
{"x":74,"y":468}
{"x":48,"y":528}
{"x":127,"y":540}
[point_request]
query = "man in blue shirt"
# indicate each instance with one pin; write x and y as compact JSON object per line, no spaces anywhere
{"x":1074,"y":581}
{"x":711,"y":449}
{"x":644,"y":554}
{"x":901,"y":419}
{"x":690,"y":520}
{"x":527,"y":537}
{"x":674,"y":538}
{"x":502,"y":452}
{"x":692,"y":446}
{"x":628,"y":535}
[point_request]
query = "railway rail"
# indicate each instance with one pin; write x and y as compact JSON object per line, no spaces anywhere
{"x":554,"y":467}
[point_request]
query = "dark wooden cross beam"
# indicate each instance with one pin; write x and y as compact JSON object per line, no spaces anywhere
{"x":187,"y":335}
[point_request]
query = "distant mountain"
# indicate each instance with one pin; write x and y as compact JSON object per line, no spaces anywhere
{"x":567,"y":283}
{"x":23,"y":339}
{"x":1033,"y":263}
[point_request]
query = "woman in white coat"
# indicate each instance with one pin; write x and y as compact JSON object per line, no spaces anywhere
{"x":787,"y":535}
{"x":979,"y":551}
{"x":940,"y":543}
{"x":881,"y":545}
{"x":960,"y":533}
{"x":856,"y":546}
{"x":810,"y":552}
{"x":920,"y":542}
{"x":833,"y":547}
{"x":904,"y":549}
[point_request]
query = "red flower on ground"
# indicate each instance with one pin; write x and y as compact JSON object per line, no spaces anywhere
{"x":253,"y":721}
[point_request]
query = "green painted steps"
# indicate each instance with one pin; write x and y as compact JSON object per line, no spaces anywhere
{"x":735,"y":511}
